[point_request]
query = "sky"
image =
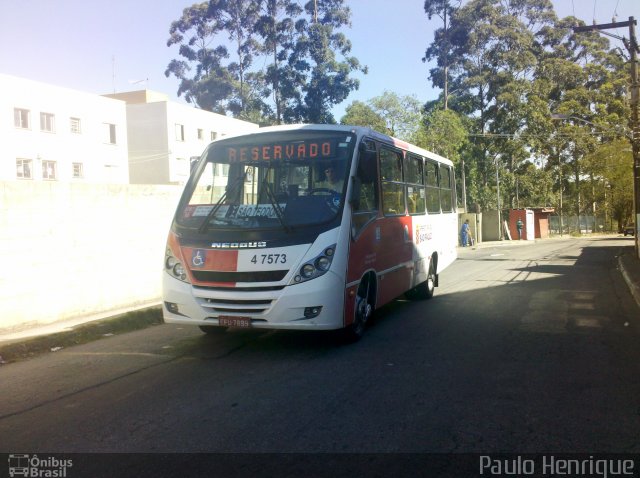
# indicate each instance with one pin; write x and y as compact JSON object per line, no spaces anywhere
{"x":121,"y":45}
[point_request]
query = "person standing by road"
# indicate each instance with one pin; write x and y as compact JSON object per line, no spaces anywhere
{"x":519,"y":225}
{"x":464,"y":233}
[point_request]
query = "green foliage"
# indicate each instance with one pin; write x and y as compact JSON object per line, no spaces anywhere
{"x":267,"y":60}
{"x":361,"y":114}
{"x":611,"y":180}
{"x":398,"y":116}
{"x":444,"y":132}
{"x":511,"y":65}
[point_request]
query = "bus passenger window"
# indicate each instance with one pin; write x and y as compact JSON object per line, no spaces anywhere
{"x":365,"y":205}
{"x":446,"y":188}
{"x":431,"y":177}
{"x":392,"y":186}
{"x":413,"y":177}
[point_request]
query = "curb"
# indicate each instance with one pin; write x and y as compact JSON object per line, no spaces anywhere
{"x":634,"y":285}
{"x":20,"y":349}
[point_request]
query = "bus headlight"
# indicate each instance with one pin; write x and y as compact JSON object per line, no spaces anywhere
{"x":307,"y":271}
{"x":316,"y":266}
{"x":323,"y":263}
{"x":173,"y":267}
{"x":170,"y":262}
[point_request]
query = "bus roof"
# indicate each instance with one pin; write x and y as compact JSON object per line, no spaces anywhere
{"x":360,"y":131}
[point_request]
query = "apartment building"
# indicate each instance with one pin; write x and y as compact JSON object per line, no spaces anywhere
{"x":164,"y":136}
{"x":52,"y":133}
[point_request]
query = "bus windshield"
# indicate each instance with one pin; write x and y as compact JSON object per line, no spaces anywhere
{"x":268,"y":180}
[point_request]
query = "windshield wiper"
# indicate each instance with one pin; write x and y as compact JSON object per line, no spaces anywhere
{"x":204,"y":227}
{"x":276,"y":206}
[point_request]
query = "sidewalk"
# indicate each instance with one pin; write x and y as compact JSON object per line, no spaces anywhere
{"x":51,"y":338}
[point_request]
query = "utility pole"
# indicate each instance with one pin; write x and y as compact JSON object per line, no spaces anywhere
{"x":634,"y":122}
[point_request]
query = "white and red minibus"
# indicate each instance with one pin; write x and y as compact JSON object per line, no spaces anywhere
{"x":307,"y":227}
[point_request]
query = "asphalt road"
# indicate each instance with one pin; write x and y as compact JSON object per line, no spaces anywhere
{"x":524,"y":348}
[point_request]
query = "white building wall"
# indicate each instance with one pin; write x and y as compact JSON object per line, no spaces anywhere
{"x":101,"y":161}
{"x":164,"y":136}
{"x":148,"y":143}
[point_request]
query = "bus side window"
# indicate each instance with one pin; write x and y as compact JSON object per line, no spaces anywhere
{"x":446,"y":188}
{"x":364,"y":194}
{"x":366,"y":189}
{"x":392,"y":184}
{"x":413,"y":177}
{"x":433,"y":187}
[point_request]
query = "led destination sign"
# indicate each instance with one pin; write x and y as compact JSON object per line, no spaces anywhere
{"x":320,"y":149}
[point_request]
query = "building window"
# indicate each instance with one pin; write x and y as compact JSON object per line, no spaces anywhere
{"x":200,"y":134}
{"x":109,"y":133}
{"x":47,"y":122}
{"x":214,"y":135}
{"x":179,"y":132}
{"x":21,"y":118}
{"x":74,"y":124}
{"x":23,"y":168}
{"x":77,"y":170}
{"x":48,"y":170}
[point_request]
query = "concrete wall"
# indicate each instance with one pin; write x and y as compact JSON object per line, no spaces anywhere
{"x":490,"y":226}
{"x":68,"y":250}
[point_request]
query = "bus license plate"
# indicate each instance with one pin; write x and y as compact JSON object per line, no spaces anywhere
{"x":231,"y":321}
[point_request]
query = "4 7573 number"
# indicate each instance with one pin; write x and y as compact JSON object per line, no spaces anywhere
{"x":269,"y":259}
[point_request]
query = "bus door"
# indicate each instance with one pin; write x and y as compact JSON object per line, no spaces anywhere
{"x":396,"y":245}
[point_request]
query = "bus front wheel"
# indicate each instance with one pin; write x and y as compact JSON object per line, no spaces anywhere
{"x":365,"y":303}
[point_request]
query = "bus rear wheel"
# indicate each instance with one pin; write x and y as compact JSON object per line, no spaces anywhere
{"x":425,"y":289}
{"x":365,"y":302}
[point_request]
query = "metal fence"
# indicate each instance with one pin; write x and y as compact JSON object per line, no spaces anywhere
{"x":581,"y":224}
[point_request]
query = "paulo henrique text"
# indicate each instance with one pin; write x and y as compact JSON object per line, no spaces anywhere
{"x":550,"y":465}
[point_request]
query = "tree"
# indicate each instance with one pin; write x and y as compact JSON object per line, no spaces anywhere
{"x":440,"y":48}
{"x":329,"y":81}
{"x":611,"y":183}
{"x":361,"y":114}
{"x":211,"y":84}
{"x":238,"y":18}
{"x":445,"y":132}
{"x":276,"y":27}
{"x":300,"y":69}
{"x":402,"y":114}
{"x":398,"y":116}
{"x":583,"y":81}
{"x":514,"y":64}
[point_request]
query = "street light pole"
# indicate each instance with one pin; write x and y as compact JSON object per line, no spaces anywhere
{"x":500,"y":235}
